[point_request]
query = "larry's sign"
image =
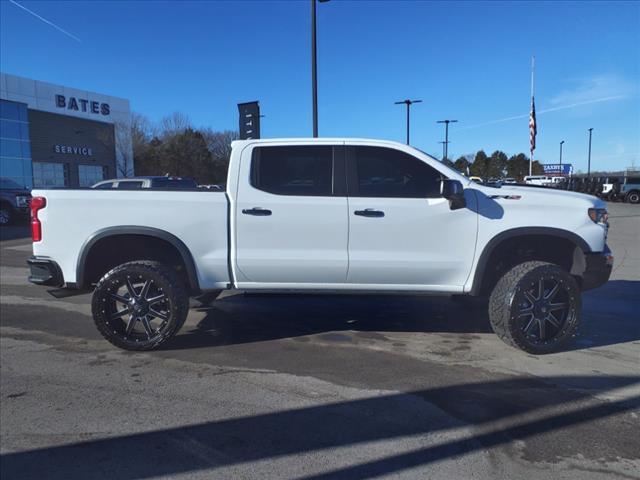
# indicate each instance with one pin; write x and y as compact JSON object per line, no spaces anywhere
{"x":82,"y":105}
{"x":558,"y":169}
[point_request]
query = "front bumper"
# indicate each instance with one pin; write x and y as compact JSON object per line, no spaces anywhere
{"x":598,"y":268}
{"x":45,"y":271}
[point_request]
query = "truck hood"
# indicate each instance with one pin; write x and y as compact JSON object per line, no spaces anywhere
{"x":543,"y":196}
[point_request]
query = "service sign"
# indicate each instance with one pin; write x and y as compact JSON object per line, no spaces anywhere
{"x":73,"y":150}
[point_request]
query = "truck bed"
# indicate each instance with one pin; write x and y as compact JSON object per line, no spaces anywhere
{"x":199,"y":219}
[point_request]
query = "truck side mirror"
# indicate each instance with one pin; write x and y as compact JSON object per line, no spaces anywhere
{"x":453,"y":191}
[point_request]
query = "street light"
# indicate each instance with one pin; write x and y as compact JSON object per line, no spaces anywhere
{"x":408,"y":103}
{"x":446,"y":135}
{"x":589,"y":164}
{"x":314,"y":74}
{"x":444,"y":147}
{"x":561,"y":143}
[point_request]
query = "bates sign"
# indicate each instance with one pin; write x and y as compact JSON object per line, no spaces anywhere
{"x":82,"y":105}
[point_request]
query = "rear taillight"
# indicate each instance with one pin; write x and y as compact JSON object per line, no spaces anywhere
{"x":37,"y":204}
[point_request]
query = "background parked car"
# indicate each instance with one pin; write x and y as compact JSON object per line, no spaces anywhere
{"x":611,"y":189}
{"x":630,"y":189}
{"x":14,"y":201}
{"x":538,"y":180}
{"x":215,"y":188}
{"x":138,"y":183}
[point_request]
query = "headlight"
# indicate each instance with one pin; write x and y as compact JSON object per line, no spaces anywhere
{"x":22,"y":201}
{"x":599,"y":215}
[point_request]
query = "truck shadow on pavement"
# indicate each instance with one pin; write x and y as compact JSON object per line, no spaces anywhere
{"x":447,"y":422}
{"x":609,"y":318}
{"x":250,"y":318}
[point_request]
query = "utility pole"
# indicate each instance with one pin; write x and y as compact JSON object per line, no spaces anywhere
{"x":589,"y":164}
{"x":408,"y":103}
{"x":314,"y":67}
{"x":561,"y":143}
{"x":446,"y":136}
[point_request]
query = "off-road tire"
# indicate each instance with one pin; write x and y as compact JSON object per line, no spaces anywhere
{"x":633,"y":197}
{"x":164,"y":281}
{"x":509,"y":298}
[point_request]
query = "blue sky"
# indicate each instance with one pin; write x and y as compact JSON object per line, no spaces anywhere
{"x":466,"y":60}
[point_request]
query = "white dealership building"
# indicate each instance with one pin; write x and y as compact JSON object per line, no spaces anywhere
{"x":57,"y":136}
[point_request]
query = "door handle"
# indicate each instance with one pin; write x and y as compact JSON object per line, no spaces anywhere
{"x":260,"y":212}
{"x":369,"y":212}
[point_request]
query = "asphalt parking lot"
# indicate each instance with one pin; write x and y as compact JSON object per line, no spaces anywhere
{"x":320,"y":387}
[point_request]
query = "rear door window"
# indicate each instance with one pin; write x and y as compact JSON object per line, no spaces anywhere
{"x":293,"y":170}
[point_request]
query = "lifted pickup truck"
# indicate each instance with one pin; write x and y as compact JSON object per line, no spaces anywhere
{"x":325,"y":215}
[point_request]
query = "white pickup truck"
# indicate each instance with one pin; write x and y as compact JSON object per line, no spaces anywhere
{"x":325,"y":215}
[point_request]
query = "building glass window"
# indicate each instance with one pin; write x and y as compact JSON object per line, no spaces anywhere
{"x":15,"y":148}
{"x":47,"y":175}
{"x":90,"y":174}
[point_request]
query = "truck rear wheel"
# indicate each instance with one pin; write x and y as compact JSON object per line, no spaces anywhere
{"x":536,"y":307}
{"x":139,"y":305}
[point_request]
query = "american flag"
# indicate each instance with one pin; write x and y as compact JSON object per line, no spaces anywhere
{"x":533,"y":128}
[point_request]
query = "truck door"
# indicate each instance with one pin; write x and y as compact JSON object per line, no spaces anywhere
{"x":291,"y":216}
{"x":401,"y":231}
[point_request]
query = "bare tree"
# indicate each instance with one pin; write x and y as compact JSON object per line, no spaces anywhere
{"x":142,"y":131}
{"x":174,"y":123}
{"x":219,"y":144}
{"x":124,"y":148}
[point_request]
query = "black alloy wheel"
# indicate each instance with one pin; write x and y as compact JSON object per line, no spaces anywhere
{"x":544,"y":310}
{"x":139,"y":305}
{"x":536,"y":307}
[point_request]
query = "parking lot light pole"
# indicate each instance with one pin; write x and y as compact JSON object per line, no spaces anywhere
{"x":314,"y":67}
{"x":444,"y":147}
{"x":561,"y":143}
{"x":446,"y":136}
{"x":408,"y":103}
{"x":589,"y":161}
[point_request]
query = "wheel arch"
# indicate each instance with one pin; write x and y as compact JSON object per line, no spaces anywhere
{"x":155,"y":233}
{"x":522,"y":233}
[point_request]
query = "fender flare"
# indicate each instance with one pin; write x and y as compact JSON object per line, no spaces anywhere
{"x":520,"y":232}
{"x":101,"y":234}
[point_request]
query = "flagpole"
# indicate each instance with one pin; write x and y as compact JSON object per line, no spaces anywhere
{"x":533,"y":68}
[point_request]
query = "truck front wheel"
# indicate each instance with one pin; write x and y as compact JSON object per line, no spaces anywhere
{"x":139,"y":305}
{"x":536,"y":307}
